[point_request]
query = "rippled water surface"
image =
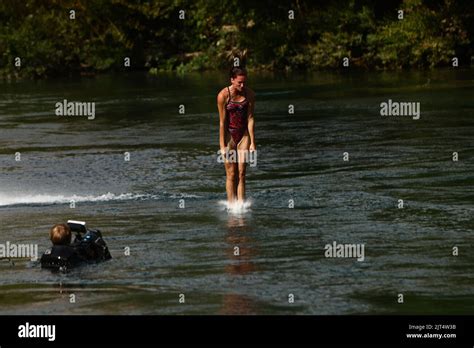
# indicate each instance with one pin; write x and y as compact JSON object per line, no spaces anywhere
{"x":190,"y":250}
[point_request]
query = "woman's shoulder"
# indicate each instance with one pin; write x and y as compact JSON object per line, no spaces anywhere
{"x":224,"y":93}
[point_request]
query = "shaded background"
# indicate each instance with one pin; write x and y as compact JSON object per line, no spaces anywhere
{"x":215,"y":31}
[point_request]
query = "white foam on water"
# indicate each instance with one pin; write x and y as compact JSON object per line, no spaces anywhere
{"x":15,"y":199}
{"x":237,"y":207}
{"x":183,"y":195}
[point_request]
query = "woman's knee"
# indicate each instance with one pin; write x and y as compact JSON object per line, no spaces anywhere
{"x":231,"y":173}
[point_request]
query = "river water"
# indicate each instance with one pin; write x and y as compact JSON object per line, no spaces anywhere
{"x":165,"y":203}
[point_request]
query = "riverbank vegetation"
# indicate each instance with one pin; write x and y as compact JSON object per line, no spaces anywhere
{"x":60,"y":38}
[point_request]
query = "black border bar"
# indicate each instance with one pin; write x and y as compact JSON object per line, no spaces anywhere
{"x":224,"y":330}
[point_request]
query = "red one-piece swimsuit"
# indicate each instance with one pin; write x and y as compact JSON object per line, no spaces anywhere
{"x":237,"y":115}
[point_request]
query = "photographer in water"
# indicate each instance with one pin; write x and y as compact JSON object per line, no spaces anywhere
{"x":86,"y":248}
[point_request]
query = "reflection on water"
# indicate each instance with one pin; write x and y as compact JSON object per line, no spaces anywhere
{"x":240,"y":252}
{"x":236,"y":222}
{"x":242,"y":248}
{"x":235,"y":304}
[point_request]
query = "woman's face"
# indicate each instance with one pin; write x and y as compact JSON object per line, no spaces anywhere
{"x":239,"y":82}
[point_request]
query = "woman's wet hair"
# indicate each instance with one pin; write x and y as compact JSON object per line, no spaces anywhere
{"x":237,"y":71}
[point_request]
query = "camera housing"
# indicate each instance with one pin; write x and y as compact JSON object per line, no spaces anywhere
{"x":77,"y":226}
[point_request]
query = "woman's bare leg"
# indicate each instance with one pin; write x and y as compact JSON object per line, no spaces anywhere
{"x":242,"y":149}
{"x":231,"y":181}
{"x":241,"y":184}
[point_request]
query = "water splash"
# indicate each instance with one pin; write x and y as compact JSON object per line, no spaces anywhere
{"x":237,"y":207}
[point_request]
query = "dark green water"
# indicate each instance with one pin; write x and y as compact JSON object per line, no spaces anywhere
{"x":300,"y":158}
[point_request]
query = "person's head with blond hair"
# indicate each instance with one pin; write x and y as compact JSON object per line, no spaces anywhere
{"x":60,"y":234}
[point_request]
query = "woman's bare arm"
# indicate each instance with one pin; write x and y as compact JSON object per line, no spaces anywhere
{"x":251,"y":120}
{"x":221,"y":107}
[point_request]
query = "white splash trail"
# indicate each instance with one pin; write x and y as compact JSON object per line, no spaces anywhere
{"x":15,"y":199}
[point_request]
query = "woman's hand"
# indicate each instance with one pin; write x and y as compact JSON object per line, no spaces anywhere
{"x":253,"y":147}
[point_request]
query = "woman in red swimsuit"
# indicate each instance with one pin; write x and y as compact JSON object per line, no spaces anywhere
{"x":236,"y":132}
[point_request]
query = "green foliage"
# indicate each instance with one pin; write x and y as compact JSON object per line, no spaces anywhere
{"x":214,"y":32}
{"x":424,"y":38}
